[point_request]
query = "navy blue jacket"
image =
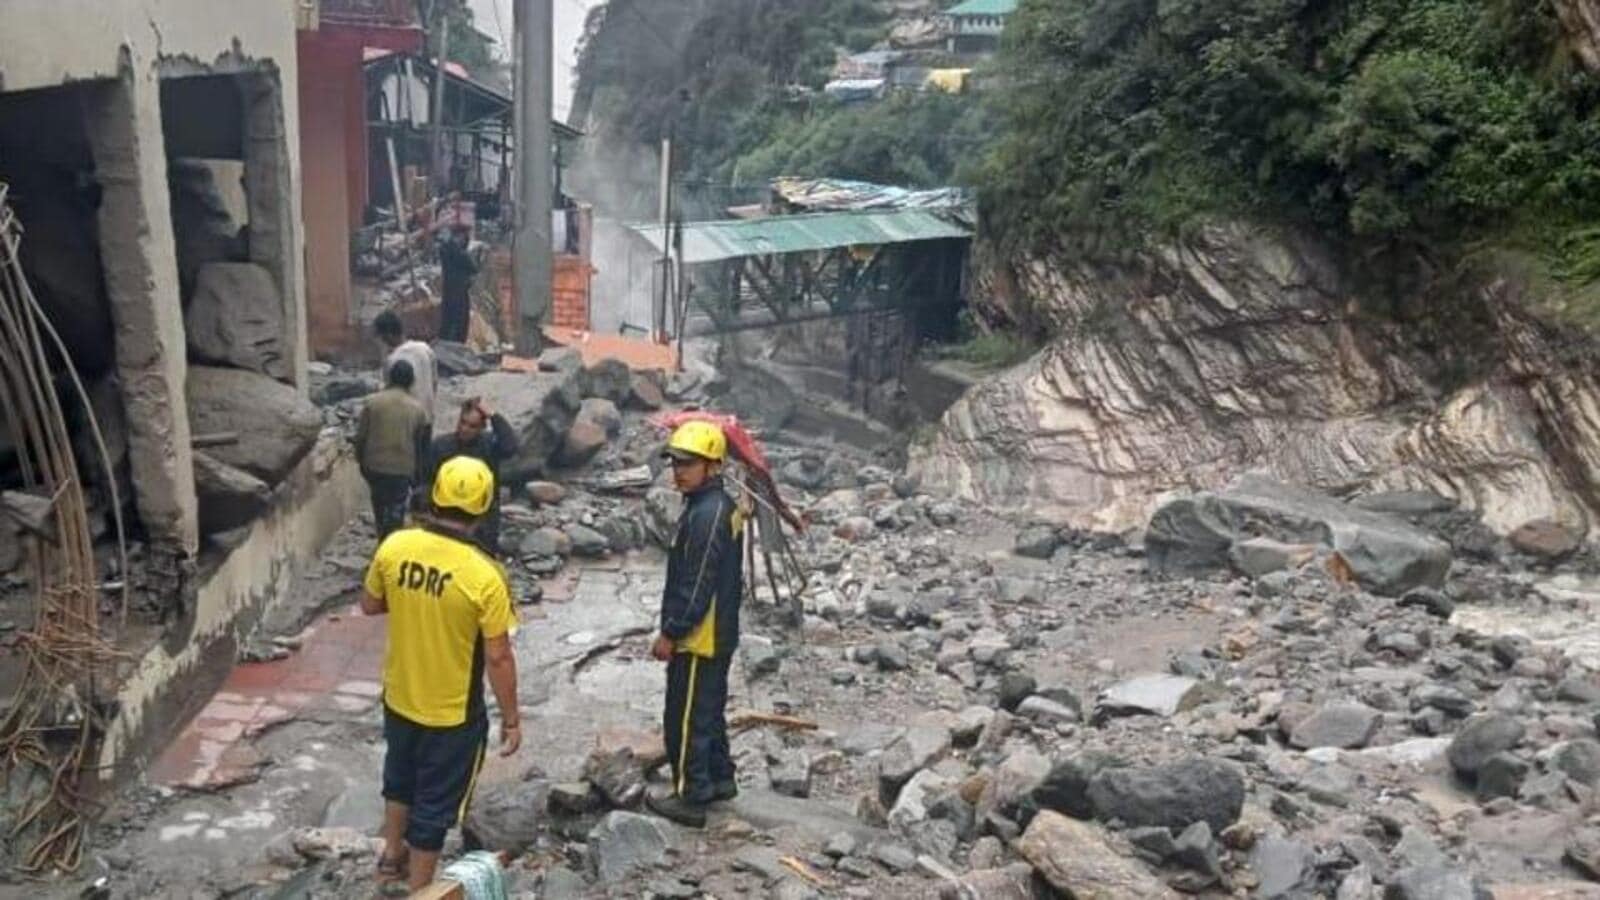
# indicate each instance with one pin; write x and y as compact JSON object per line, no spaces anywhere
{"x":705,"y":575}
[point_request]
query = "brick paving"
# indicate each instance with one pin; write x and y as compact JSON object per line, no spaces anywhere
{"x":336,"y":670}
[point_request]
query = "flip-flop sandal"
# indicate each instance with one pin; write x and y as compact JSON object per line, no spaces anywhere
{"x":392,"y":869}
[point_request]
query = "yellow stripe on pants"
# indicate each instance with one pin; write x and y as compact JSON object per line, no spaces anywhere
{"x":472,"y":783}
{"x":688,"y":708}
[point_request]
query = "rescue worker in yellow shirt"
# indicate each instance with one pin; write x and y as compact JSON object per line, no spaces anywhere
{"x":450,"y":623}
{"x":699,"y":626}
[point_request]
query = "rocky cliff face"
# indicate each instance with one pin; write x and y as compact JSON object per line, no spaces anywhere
{"x":1581,"y":19}
{"x":1247,"y":351}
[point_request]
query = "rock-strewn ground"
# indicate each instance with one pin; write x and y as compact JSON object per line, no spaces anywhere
{"x":1003,"y":709}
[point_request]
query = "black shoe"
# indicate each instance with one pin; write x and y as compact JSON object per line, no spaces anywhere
{"x":678,"y":810}
{"x":724,"y":790}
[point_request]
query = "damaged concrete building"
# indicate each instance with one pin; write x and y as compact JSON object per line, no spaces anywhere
{"x":152,"y":149}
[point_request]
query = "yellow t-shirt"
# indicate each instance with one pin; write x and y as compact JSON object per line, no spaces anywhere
{"x":445,"y":596}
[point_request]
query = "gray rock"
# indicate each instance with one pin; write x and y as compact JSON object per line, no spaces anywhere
{"x":761,"y":658}
{"x":840,"y":845}
{"x":1077,"y":859}
{"x":916,"y":749}
{"x":583,"y":440}
{"x":1443,"y":882}
{"x":1434,"y":602}
{"x":229,"y":497}
{"x":1501,"y":775}
{"x":892,"y":657}
{"x":1347,"y":726}
{"x":1015,"y":779}
{"x":617,"y":775}
{"x":1154,"y":844}
{"x":1153,"y":695}
{"x":1196,"y":849}
{"x":235,"y":318}
{"x":987,"y":853}
{"x":1065,"y":789}
{"x":544,"y":542}
{"x":1579,"y":688}
{"x":1016,"y":687}
{"x":969,"y":725}
{"x":763,"y":861}
{"x":790,"y":773}
{"x":1405,"y":504}
{"x":507,"y":817}
{"x":573,"y":798}
{"x":1443,"y":697}
{"x":564,"y":360}
{"x":1358,"y":884}
{"x":1285,"y":867}
{"x":645,"y":394}
{"x":856,"y":867}
{"x":1257,"y":556}
{"x":609,"y":379}
{"x":661,"y":507}
{"x":1546,"y":539}
{"x":894,"y":857}
{"x":625,"y":843}
{"x":911,"y":807}
{"x":1013,"y":882}
{"x":1037,"y":542}
{"x":1578,"y":759}
{"x":601,"y":412}
{"x":1047,"y":711}
{"x":587,"y":542}
{"x":1387,"y":555}
{"x":276,"y":426}
{"x":458,"y":359}
{"x":561,"y":883}
{"x":1174,"y":795}
{"x":1482,"y":737}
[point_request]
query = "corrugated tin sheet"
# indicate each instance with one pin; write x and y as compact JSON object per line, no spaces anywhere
{"x":842,"y":194}
{"x":983,"y":8}
{"x":705,"y":242}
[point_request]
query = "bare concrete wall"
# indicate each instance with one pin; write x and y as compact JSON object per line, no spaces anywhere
{"x":49,"y":42}
{"x":173,"y":679}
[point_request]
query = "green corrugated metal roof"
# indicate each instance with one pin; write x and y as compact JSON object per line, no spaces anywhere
{"x":705,"y":242}
{"x":983,"y":8}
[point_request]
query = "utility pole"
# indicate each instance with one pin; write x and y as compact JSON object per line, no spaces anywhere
{"x":440,"y":171}
{"x":665,"y":299}
{"x":533,"y":263}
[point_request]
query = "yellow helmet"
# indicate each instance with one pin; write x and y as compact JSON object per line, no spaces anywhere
{"x":704,"y":440}
{"x":464,"y":483}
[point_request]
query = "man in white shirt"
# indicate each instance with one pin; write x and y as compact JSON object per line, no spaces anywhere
{"x":419,"y":355}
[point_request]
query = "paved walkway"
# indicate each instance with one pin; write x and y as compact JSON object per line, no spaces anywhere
{"x":336,"y":670}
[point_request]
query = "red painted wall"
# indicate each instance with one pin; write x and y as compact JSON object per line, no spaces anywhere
{"x":333,"y":166}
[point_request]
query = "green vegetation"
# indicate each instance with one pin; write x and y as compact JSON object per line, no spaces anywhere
{"x":1385,"y":122}
{"x":988,"y":349}
{"x":469,"y":45}
{"x":738,"y":82}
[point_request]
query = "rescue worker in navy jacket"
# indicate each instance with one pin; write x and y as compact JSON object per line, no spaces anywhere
{"x":699,"y":626}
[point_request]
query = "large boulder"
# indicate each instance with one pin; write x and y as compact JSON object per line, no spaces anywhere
{"x":1481,"y":738}
{"x":601,"y":412}
{"x":235,"y":318}
{"x":608,"y":379}
{"x":584,"y":439}
{"x":1079,"y":860}
{"x":1197,"y":533}
{"x":229,"y":497}
{"x":540,"y":407}
{"x":1174,"y":795}
{"x":275,"y":425}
